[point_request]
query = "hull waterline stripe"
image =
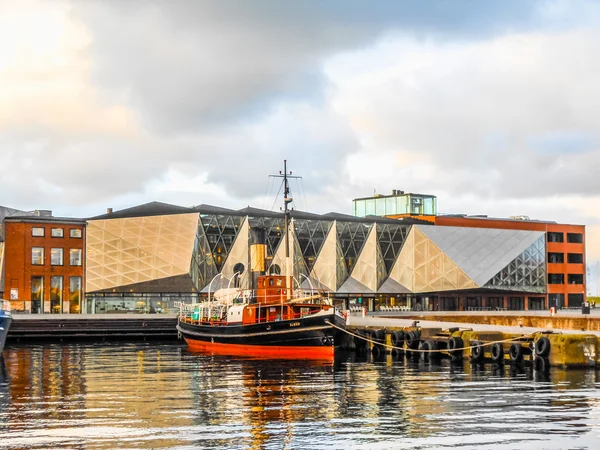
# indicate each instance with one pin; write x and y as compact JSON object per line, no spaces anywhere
{"x":242,"y":335}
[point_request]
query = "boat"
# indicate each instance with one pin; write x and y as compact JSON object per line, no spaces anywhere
{"x":270,"y":320}
{"x":5,"y":321}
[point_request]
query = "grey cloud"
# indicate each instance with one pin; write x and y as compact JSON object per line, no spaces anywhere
{"x":187,"y":65}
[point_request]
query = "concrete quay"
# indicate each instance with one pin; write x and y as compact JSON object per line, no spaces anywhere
{"x":431,"y":338}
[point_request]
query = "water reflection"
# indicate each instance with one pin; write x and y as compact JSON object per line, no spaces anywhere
{"x":161,"y":396}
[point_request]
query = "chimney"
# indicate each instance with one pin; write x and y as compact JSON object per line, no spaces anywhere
{"x":108,"y":210}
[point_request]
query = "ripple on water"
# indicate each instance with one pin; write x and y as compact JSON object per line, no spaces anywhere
{"x":154,"y":395}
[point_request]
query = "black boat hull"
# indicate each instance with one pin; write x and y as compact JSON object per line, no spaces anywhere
{"x":307,"y":337}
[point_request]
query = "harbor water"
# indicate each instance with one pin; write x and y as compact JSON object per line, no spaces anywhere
{"x":159,"y":395}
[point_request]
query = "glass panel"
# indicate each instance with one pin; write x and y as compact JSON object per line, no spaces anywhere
{"x":75,"y":233}
{"x":428,"y":206}
{"x":575,"y":258}
{"x":311,"y":235}
{"x":37,"y":256}
{"x":525,"y":273}
{"x":380,"y":206}
{"x":37,"y":294}
{"x":75,"y":257}
{"x":57,"y":232}
{"x":75,"y":295}
{"x":390,"y":239}
{"x":402,"y":205}
{"x":390,"y":206}
{"x":575,"y":238}
{"x":370,"y":207}
{"x":37,"y":231}
{"x":416,"y":205}
{"x":351,"y":238}
{"x":360,"y":208}
{"x":56,"y":257}
{"x":56,"y":294}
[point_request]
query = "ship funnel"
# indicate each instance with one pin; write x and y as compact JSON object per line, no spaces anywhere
{"x":258,"y":253}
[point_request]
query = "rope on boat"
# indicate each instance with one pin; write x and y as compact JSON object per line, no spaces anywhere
{"x":483,"y":344}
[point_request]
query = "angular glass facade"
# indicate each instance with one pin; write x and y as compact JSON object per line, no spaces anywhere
{"x":526,"y":273}
{"x":351,"y":239}
{"x":390,"y":239}
{"x":311,"y":235}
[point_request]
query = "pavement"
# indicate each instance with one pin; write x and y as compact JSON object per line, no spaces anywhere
{"x":380,"y":322}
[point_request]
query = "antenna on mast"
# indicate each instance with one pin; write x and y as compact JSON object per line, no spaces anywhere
{"x":287,"y":199}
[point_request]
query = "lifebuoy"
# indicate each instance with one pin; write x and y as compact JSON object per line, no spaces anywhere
{"x":542,"y":346}
{"x":398,"y":338}
{"x":476,"y":352}
{"x":516,"y":353}
{"x":497,"y":352}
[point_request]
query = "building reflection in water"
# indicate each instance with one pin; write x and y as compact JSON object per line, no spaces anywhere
{"x":151,"y":396}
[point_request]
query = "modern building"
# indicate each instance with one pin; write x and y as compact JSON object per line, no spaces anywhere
{"x":150,"y":256}
{"x":564,"y":244}
{"x":146,"y":258}
{"x":43,"y":262}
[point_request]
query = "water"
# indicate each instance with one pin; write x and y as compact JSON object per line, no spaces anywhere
{"x":161,"y":396}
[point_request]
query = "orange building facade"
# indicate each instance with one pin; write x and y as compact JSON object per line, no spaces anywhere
{"x":44,"y":264}
{"x":565,"y":252}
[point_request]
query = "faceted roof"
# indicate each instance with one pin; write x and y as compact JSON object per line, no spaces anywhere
{"x":480,"y":252}
{"x":353,"y":286}
{"x":147,"y":209}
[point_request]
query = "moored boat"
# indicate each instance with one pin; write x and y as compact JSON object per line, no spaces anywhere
{"x":5,"y":321}
{"x":271,"y":320}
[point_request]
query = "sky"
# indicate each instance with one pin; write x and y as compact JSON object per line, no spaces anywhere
{"x":492,"y":106}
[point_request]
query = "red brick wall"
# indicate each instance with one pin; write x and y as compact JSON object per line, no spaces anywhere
{"x":17,"y":258}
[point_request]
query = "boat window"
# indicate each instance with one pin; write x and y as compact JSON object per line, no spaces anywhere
{"x":278,"y":282}
{"x":271,"y":282}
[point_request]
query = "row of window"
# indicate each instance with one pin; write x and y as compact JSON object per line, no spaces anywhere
{"x":56,"y":232}
{"x":56,"y":256}
{"x":56,"y":294}
{"x":572,"y":238}
{"x":559,"y":278}
{"x":572,"y":258}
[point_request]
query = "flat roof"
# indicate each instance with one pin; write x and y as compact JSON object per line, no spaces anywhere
{"x":405,"y":194}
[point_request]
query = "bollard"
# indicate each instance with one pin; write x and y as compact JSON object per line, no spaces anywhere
{"x":553,"y":311}
{"x":364,"y":312}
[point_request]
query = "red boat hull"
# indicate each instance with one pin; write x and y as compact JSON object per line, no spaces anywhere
{"x":261,"y":351}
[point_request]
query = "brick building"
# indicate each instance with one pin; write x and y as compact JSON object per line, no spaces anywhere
{"x":44,"y":263}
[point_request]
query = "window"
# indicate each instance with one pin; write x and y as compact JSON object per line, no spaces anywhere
{"x":556,"y":300}
{"x":75,"y":257}
{"x":556,"y":258}
{"x":75,"y":233}
{"x":575,"y":300}
{"x":536,"y":303}
{"x":575,"y":258}
{"x":575,"y":278}
{"x":516,"y":304}
{"x":37,"y":231}
{"x":58,"y":232}
{"x":37,"y":256}
{"x":75,"y":295}
{"x":56,"y":294}
{"x":556,"y":237}
{"x":37,"y":294}
{"x":556,"y":278}
{"x":56,"y":257}
{"x":575,"y":238}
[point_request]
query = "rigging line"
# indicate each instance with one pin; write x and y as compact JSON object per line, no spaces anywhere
{"x":278,"y":192}
{"x":304,"y":194}
{"x":266,"y":193}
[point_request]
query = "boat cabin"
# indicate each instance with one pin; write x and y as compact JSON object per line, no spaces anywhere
{"x":271,"y":289}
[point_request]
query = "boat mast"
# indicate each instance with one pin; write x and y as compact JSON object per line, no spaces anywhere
{"x":287,"y":199}
{"x":286,"y":214}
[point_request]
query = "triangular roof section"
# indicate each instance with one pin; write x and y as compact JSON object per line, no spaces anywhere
{"x":251,"y":211}
{"x":314,"y":284}
{"x":480,"y":252}
{"x":353,"y":286}
{"x":211,"y":209}
{"x":147,"y":209}
{"x":391,"y":286}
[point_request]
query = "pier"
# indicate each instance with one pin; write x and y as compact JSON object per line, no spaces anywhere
{"x":428,"y":337}
{"x":74,"y":327}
